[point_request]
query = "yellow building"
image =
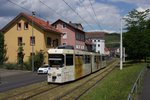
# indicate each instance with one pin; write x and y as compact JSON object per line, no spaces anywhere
{"x":41,"y":36}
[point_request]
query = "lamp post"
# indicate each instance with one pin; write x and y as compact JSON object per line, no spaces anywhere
{"x":121,"y":44}
{"x":33,"y":14}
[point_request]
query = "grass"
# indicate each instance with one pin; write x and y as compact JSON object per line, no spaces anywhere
{"x":117,"y":85}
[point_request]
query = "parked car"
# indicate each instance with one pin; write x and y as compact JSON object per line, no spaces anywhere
{"x":43,"y":69}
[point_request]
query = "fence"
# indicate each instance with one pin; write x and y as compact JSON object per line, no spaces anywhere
{"x":136,"y":85}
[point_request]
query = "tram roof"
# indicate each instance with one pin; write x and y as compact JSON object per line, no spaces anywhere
{"x":69,"y":51}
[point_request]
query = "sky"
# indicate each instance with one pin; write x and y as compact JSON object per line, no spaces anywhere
{"x":94,"y":15}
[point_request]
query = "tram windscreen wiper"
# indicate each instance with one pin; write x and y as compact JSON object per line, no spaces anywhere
{"x":55,"y":59}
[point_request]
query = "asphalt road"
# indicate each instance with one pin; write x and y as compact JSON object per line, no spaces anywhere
{"x":145,"y":95}
{"x":16,"y":80}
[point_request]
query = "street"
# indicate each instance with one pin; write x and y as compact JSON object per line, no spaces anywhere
{"x":11,"y":79}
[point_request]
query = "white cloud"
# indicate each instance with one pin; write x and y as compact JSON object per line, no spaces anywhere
{"x":140,"y":9}
{"x":108,"y":15}
{"x":107,"y":31}
{"x":140,"y":3}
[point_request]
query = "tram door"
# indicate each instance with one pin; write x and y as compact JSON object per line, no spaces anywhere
{"x":68,"y":72}
{"x":78,"y":66}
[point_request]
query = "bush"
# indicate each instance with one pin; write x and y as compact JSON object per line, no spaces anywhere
{"x":10,"y":66}
{"x":38,"y":60}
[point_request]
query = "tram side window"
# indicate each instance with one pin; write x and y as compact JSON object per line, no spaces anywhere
{"x":95,"y":59}
{"x":87,"y":59}
{"x":69,"y":60}
{"x":103,"y":58}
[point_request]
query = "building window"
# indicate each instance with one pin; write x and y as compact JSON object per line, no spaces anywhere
{"x":49,"y":41}
{"x":19,"y":41}
{"x":64,"y":35}
{"x":82,"y":47}
{"x":80,"y":37}
{"x":64,"y":43}
{"x":32,"y":40}
{"x":18,"y":26}
{"x":64,"y":25}
{"x":77,"y":46}
{"x":32,"y":54}
{"x":26,"y":25}
{"x":55,"y":26}
{"x":94,"y":40}
{"x":98,"y":45}
{"x":55,"y":42}
{"x":98,"y":40}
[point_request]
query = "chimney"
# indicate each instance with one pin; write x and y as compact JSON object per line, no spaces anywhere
{"x":69,"y":22}
{"x":47,"y":23}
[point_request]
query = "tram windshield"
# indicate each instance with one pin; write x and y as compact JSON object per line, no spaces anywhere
{"x":56,"y":60}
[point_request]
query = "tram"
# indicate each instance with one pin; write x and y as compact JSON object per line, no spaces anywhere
{"x":69,"y":65}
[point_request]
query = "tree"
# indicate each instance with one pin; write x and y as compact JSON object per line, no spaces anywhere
{"x":3,"y":49}
{"x":20,"y":56}
{"x":137,"y":36}
{"x":38,"y":59}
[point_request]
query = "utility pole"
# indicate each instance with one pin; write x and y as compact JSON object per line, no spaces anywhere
{"x":121,"y":44}
{"x":33,"y":14}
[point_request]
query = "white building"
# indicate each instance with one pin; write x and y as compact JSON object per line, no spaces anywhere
{"x":97,"y":41}
{"x":99,"y":45}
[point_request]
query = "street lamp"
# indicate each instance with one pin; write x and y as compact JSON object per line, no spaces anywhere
{"x":33,"y":14}
{"x":121,"y":44}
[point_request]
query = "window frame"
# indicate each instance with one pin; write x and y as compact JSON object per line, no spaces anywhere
{"x":19,"y":26}
{"x":55,"y":26}
{"x":32,"y":40}
{"x":26,"y":25}
{"x":20,"y":42}
{"x":55,"y":43}
{"x":49,"y":41}
{"x":64,"y":35}
{"x":63,"y":25}
{"x":64,"y":43}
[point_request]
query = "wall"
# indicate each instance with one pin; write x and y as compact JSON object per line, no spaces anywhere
{"x":100,"y":49}
{"x":71,"y":39}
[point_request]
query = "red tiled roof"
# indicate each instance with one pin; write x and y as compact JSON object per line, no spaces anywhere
{"x":92,"y":35}
{"x":41,"y":23}
{"x":37,"y":21}
{"x":68,"y":24}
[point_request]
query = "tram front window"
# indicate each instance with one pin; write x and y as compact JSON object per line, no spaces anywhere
{"x":56,"y":60}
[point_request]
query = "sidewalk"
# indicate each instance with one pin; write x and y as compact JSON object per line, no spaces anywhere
{"x":5,"y":72}
{"x":145,"y":93}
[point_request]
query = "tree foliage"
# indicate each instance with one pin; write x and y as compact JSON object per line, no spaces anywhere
{"x":20,"y":56}
{"x":3,"y":49}
{"x":136,"y":39}
{"x":38,"y":59}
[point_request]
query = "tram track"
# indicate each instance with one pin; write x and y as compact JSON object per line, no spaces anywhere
{"x":77,"y":88}
{"x":30,"y":93}
{"x":72,"y":90}
{"x":78,"y":91}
